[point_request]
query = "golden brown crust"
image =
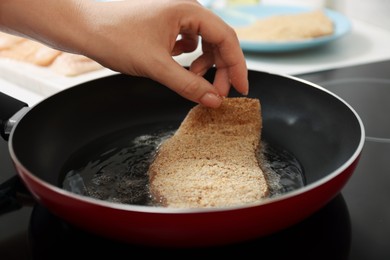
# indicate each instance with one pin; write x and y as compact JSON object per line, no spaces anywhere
{"x":211,"y":159}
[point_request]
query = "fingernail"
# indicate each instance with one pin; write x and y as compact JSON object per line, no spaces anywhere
{"x":246,"y":92}
{"x":211,"y":100}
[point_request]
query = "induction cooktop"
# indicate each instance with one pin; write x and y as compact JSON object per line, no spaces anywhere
{"x":354,"y":225}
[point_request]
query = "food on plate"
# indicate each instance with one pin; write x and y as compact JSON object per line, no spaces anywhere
{"x":211,"y":159}
{"x":9,"y":40}
{"x":32,"y":52}
{"x":69,"y":64}
{"x":288,"y":27}
{"x":26,"y":50}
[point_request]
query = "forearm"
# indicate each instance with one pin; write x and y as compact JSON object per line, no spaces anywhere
{"x":58,"y":23}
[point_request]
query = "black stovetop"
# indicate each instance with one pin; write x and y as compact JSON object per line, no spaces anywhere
{"x":355,"y":225}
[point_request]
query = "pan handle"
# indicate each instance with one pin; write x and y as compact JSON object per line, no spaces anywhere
{"x":9,"y":107}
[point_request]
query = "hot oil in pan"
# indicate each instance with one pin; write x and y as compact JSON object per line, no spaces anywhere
{"x":119,"y":173}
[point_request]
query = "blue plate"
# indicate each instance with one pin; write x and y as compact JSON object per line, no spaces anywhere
{"x":245,"y":15}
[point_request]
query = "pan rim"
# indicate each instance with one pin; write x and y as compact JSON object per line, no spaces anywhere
{"x":22,"y":170}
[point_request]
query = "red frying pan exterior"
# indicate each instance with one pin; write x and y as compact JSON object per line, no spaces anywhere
{"x":173,"y":228}
{"x":188,"y":227}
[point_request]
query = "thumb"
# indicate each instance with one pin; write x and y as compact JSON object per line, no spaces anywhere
{"x":186,"y":83}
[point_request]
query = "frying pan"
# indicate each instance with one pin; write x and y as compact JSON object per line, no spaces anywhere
{"x":321,"y":130}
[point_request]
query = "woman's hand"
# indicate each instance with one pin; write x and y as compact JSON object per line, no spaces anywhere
{"x":138,"y":38}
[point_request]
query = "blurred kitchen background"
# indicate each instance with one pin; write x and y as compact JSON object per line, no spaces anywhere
{"x":374,"y":11}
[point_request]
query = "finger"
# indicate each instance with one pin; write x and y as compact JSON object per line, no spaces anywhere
{"x":218,"y":34}
{"x":238,"y":77}
{"x":188,"y":42}
{"x":202,"y":63}
{"x":184,"y":82}
{"x":221,"y":80}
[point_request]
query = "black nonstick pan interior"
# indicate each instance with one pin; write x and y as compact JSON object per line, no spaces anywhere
{"x":304,"y":120}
